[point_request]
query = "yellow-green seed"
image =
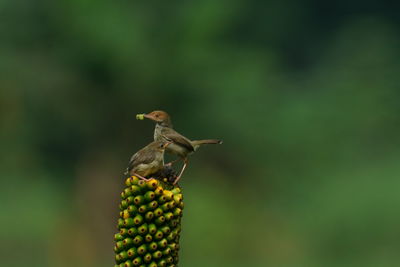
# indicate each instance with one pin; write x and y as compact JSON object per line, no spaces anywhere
{"x":124,"y":204}
{"x":118,"y":237}
{"x":147,"y":258}
{"x":159,"y":220}
{"x":135,"y":189}
{"x":132,"y":252}
{"x":162,"y":243}
{"x":162,"y":263}
{"x":153,"y":246}
{"x":142,"y":209}
{"x":166,"y":251}
{"x":152,"y":205}
{"x":148,"y":238}
{"x":162,"y":199}
{"x":165,"y":229}
{"x":168,"y":216}
{"x":152,"y":228}
{"x":137,"y":261}
{"x":129,"y":222}
{"x":170,"y":259}
{"x":158,"y":235}
{"x":138,"y":200}
{"x":143,"y":229}
{"x":127,"y":192}
{"x":137,"y":220}
{"x":128,"y":242}
{"x":123,"y":231}
{"x":138,"y":240}
{"x":134,"y":180}
{"x":158,"y":212}
{"x":132,"y":209}
{"x":176,"y":190}
{"x":130,"y":199}
{"x":142,"y":249}
{"x":177,"y":212}
{"x":152,"y":184}
{"x":157,"y":254}
{"x":142,"y":184}
{"x":168,"y":194}
{"x":165,"y":206}
{"x":159,"y":191}
{"x":132,"y":231}
{"x":149,"y":196}
{"x":172,"y":204}
{"x":149,"y":216}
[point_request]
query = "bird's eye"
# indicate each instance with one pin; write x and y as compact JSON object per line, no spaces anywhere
{"x":161,"y":145}
{"x":156,"y":115}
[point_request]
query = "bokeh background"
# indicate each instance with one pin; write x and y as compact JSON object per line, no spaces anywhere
{"x":305,"y":95}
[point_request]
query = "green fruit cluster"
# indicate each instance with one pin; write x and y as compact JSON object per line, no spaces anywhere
{"x":149,"y":224}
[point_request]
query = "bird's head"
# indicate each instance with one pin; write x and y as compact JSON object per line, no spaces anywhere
{"x":158,"y":116}
{"x":161,"y":146}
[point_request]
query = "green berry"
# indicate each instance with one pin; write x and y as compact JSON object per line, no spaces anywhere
{"x":135,"y":190}
{"x":143,"y":229}
{"x":149,"y":196}
{"x":137,"y":261}
{"x":149,"y":216}
{"x":138,"y":240}
{"x":158,"y":212}
{"x":152,"y":228}
{"x":147,"y":258}
{"x":138,"y":200}
{"x":132,"y":252}
{"x":137,"y":220}
{"x":157,"y":254}
{"x":142,"y":209}
{"x":142,"y":249}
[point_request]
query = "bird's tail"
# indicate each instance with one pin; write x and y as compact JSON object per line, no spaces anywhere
{"x":197,"y":143}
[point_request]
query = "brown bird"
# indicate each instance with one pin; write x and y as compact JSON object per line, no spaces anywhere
{"x":180,"y":145}
{"x":147,"y":160}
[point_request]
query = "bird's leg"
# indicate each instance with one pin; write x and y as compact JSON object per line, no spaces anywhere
{"x":169,"y":164}
{"x":183,"y":168}
{"x":141,"y":177}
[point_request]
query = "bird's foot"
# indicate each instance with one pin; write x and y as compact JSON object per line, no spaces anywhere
{"x":176,"y":180}
{"x":141,"y":177}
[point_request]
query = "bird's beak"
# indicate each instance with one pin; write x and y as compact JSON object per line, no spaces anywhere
{"x":142,"y":116}
{"x":167,"y":144}
{"x":150,"y":117}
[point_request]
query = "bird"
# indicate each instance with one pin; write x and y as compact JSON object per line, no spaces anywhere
{"x":148,"y":160}
{"x":180,"y":145}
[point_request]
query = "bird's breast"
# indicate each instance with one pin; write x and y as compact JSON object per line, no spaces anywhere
{"x":157,"y":133}
{"x":149,"y":168}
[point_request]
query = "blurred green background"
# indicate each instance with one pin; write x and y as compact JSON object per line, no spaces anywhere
{"x":305,"y":95}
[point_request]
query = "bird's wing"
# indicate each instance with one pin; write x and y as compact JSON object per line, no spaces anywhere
{"x":173,"y":136}
{"x":140,"y":158}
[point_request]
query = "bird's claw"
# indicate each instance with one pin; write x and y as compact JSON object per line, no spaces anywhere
{"x":141,"y":177}
{"x":176,"y":180}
